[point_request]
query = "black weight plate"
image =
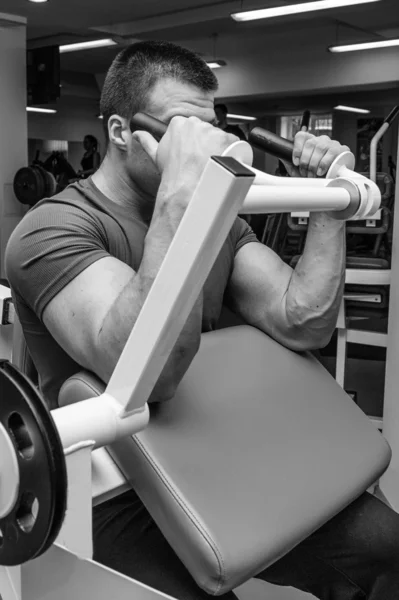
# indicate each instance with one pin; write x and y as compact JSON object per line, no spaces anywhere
{"x":41,"y":180}
{"x":42,"y":470}
{"x":50,"y":184}
{"x":29,"y":185}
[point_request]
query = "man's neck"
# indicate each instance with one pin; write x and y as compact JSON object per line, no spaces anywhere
{"x":113,"y":182}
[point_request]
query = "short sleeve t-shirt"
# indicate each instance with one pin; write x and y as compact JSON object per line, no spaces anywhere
{"x":62,"y":236}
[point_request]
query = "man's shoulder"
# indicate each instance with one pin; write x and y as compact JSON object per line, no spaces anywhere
{"x":60,"y":209}
{"x":67,"y":211}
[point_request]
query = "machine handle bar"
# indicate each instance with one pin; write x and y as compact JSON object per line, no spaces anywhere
{"x":258,"y":137}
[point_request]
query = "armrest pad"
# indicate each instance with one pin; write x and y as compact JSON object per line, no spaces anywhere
{"x":259,"y":447}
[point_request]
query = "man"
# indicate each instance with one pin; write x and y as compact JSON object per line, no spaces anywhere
{"x":81,"y":266}
{"x":221,"y":118}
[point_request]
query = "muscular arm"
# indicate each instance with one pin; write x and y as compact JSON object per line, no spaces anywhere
{"x":92,"y":317}
{"x":119,"y":320}
{"x":299,"y":308}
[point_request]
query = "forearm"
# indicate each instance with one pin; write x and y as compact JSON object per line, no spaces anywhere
{"x":316,"y":286}
{"x":125,"y":310}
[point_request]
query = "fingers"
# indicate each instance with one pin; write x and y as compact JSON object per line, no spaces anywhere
{"x":317,"y":163}
{"x":299,"y":143}
{"x":314,"y":155}
{"x":148,"y":143}
{"x":291,"y":170}
{"x":327,"y":160}
{"x":309,"y":157}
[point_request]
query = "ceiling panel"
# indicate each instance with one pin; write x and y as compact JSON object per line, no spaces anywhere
{"x":213,"y":35}
{"x":78,"y":16}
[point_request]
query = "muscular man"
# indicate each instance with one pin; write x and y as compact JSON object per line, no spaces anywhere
{"x":81,"y":266}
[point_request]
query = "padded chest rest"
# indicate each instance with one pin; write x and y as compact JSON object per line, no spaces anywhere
{"x":259,"y":448}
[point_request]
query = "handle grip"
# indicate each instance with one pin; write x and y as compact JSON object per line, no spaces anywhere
{"x":258,"y":137}
{"x":271,"y":143}
{"x":305,"y":120}
{"x":150,"y":124}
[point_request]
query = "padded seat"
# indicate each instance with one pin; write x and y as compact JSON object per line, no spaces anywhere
{"x":258,"y":448}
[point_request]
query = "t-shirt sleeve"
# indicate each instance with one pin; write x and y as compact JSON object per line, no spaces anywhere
{"x":243,"y":234}
{"x":49,"y":248}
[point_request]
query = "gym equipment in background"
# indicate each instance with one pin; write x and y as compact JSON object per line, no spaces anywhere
{"x":266,"y":432}
{"x":32,"y":184}
{"x":363,"y":317}
{"x":369,"y":300}
{"x":43,"y":179}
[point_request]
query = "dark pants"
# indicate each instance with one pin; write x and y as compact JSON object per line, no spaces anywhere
{"x":354,"y":556}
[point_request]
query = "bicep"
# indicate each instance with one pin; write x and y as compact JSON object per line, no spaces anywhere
{"x":258,"y":287}
{"x":75,"y":315}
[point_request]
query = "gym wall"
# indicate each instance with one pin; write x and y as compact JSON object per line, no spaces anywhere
{"x":13,"y":126}
{"x":70,"y":124}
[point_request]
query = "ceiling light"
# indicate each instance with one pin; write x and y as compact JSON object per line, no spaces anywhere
{"x":38,"y":1}
{"x":216,"y":64}
{"x":281,"y":11}
{"x":87,"y":45}
{"x":241,"y":117}
{"x":100,"y":117}
{"x":40,"y":110}
{"x":364,"y":46}
{"x":362,"y":111}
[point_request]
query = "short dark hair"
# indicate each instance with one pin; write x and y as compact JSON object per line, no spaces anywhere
{"x":136,"y":70}
{"x":222,"y":107}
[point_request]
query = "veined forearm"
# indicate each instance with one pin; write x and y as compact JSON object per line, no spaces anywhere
{"x":123,"y":314}
{"x":315,"y":290}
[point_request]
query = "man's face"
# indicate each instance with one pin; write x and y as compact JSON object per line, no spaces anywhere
{"x":168,"y":99}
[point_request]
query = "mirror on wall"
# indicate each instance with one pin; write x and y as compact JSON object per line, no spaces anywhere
{"x":72,"y":151}
{"x":42,"y":149}
{"x":320,"y":124}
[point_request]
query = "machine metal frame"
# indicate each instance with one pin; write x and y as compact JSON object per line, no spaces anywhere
{"x":223,"y":191}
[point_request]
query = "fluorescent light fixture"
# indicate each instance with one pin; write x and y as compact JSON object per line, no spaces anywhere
{"x":40,"y":110}
{"x":87,"y":45}
{"x":100,"y":117}
{"x":362,"y":111}
{"x":241,"y":117}
{"x":364,"y":46}
{"x":38,"y":1}
{"x":216,"y":64}
{"x":292,"y":9}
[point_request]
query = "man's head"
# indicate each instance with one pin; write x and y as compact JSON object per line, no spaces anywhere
{"x":161,"y":79}
{"x":221,"y":114}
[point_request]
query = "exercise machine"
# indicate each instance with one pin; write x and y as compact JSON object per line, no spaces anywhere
{"x":255,"y":433}
{"x":367,"y":291}
{"x":43,"y":179}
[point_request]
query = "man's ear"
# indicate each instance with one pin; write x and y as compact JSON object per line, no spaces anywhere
{"x":119,"y":132}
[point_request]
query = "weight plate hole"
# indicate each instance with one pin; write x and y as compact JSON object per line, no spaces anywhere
{"x":21,"y":436}
{"x":1,"y":542}
{"x":27,"y":512}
